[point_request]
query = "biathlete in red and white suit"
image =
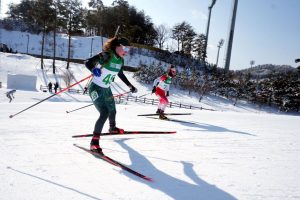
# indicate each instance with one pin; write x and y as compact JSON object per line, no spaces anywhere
{"x":161,"y":87}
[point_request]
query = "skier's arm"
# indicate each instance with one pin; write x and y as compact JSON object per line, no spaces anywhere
{"x":156,"y":82}
{"x":92,"y":62}
{"x":122,"y":76}
{"x":167,"y":90}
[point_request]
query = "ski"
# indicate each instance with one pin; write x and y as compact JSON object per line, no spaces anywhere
{"x":127,"y":133}
{"x":115,"y":163}
{"x":165,"y":114}
{"x":172,"y":120}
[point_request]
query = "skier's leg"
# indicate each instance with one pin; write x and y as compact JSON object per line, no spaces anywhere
{"x":111,"y":106}
{"x":97,"y":96}
{"x":10,"y":99}
{"x":163,"y":102}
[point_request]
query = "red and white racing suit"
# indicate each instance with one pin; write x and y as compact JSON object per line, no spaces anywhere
{"x":162,"y":87}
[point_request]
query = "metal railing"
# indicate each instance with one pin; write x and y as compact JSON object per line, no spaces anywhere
{"x":136,"y":99}
{"x":155,"y":102}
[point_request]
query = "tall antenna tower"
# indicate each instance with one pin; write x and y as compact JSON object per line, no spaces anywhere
{"x":0,"y":22}
{"x":208,"y":24}
{"x":230,"y":38}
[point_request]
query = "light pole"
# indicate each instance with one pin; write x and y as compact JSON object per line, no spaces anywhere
{"x":230,"y":38}
{"x":252,"y":62}
{"x":208,"y":23}
{"x":91,"y":53}
{"x":27,"y":42}
{"x":221,"y":42}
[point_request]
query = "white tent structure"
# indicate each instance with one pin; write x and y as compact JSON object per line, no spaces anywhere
{"x":21,"y":82}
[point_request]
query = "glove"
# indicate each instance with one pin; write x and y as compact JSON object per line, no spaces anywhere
{"x":168,"y":94}
{"x":133,"y":89}
{"x":154,"y":89}
{"x":96,"y":72}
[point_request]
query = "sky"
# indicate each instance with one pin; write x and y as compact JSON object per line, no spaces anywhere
{"x":266,"y":31}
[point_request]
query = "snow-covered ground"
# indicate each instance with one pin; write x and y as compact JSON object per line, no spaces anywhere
{"x":233,"y":153}
{"x":82,"y":47}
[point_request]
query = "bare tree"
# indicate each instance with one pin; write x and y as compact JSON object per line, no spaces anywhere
{"x":162,"y":35}
{"x":67,"y":77}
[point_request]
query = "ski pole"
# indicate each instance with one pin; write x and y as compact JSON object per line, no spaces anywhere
{"x":79,"y":108}
{"x":93,"y":104}
{"x":117,"y":31}
{"x":144,"y":95}
{"x":11,"y":116}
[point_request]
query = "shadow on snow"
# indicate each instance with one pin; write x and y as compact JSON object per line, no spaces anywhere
{"x":171,"y":186}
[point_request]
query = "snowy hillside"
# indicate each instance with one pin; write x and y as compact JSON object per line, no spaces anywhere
{"x":28,"y":65}
{"x":247,"y":154}
{"x":263,"y":71}
{"x":82,"y":47}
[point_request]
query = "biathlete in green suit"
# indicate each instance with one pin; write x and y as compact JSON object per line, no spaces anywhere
{"x":111,"y":62}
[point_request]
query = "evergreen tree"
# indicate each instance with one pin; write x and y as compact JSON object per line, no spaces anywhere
{"x":134,"y":25}
{"x":178,"y":33}
{"x":44,"y":14}
{"x":184,"y":34}
{"x":73,"y":14}
{"x":199,"y":47}
{"x":24,"y":12}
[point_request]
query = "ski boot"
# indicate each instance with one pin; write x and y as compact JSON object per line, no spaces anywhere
{"x":96,"y":149}
{"x":94,"y":146}
{"x":116,"y":130}
{"x":162,"y":116}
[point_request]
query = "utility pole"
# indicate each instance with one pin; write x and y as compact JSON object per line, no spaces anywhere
{"x":27,"y":42}
{"x":208,"y":23}
{"x":230,"y":38}
{"x":91,"y":53}
{"x":0,"y":19}
{"x":221,"y":42}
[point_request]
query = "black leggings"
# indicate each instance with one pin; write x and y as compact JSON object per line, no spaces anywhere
{"x":104,"y":114}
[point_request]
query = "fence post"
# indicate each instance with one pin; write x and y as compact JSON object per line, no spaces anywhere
{"x":152,"y":101}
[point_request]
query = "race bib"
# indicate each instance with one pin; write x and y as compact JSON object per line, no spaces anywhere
{"x":94,"y":95}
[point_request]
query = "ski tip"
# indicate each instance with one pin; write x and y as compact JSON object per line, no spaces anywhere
{"x":10,"y":116}
{"x":67,"y":111}
{"x":148,"y":179}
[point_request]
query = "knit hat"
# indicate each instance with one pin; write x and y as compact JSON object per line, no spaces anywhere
{"x":123,"y":41}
